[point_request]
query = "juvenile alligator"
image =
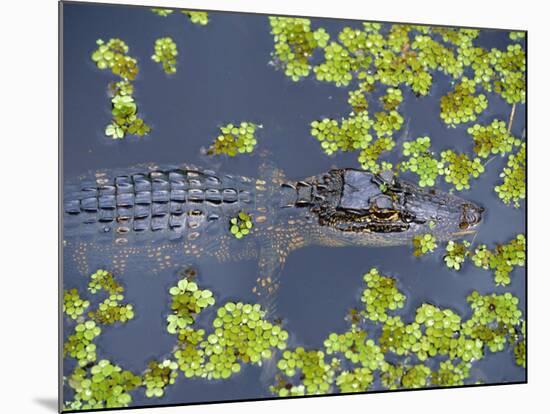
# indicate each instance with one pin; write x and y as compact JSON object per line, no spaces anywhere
{"x":166,"y":214}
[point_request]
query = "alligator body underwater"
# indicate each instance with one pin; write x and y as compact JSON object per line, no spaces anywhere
{"x":176,"y":214}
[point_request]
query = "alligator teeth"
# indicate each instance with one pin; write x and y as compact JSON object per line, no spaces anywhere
{"x":287,"y":185}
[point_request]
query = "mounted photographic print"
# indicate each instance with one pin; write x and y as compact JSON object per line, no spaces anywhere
{"x":258,"y":207}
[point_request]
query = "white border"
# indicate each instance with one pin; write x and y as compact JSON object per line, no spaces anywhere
{"x":28,"y":139}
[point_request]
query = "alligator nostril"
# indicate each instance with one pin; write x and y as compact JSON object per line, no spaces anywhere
{"x":471,"y":215}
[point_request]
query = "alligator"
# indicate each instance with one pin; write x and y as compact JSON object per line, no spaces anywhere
{"x":166,"y":214}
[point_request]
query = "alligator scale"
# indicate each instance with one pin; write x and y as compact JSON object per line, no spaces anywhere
{"x":170,"y":215}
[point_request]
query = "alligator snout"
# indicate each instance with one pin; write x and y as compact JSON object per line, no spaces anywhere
{"x":471,"y":215}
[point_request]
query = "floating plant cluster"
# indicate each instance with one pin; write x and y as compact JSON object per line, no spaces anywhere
{"x":404,"y":56}
{"x":436,"y":349}
{"x":113,"y":55}
{"x":456,"y":253}
{"x":424,"y":244}
{"x":235,"y":139}
{"x":166,"y":51}
{"x":241,"y":225}
{"x":502,"y":259}
{"x":403,"y":354}
{"x":196,"y":17}
{"x":457,"y":168}
{"x":513,"y":187}
{"x":492,"y":139}
{"x":462,"y":105}
{"x":294,"y":44}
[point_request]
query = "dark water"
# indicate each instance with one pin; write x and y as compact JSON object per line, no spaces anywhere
{"x":223,"y":76}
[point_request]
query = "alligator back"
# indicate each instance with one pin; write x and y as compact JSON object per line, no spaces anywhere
{"x":145,"y":204}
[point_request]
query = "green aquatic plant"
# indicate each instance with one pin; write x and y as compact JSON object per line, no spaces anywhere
{"x":113,"y":55}
{"x":166,"y":51}
{"x":104,"y":280}
{"x":241,"y":225}
{"x":421,"y":161}
{"x":368,"y":157}
{"x":111,"y":311}
{"x":294,"y":43}
{"x":349,"y":134}
{"x":73,"y":305}
{"x":358,"y":380}
{"x":435,"y":56}
{"x":197,"y":17}
{"x":357,"y":100}
{"x":79,"y":345}
{"x":502,"y":259}
{"x":462,"y":105}
{"x":456,"y":253}
{"x":189,"y":356}
{"x":392,"y":99}
{"x":510,"y":67}
{"x":516,"y":35}
{"x":387,"y":122}
{"x":158,"y":376}
{"x":495,"y":319}
{"x":442,"y":335}
{"x":424,"y":244}
{"x":316,"y":375}
{"x":104,"y":385}
{"x":380,"y":296}
{"x":162,"y":12}
{"x":513,"y":186}
{"x":187,"y":302}
{"x":398,"y":337}
{"x":459,"y":169}
{"x":241,"y":334}
{"x":235,"y":139}
{"x":492,"y":139}
{"x":520,"y":346}
{"x":356,"y":346}
{"x":416,"y":376}
{"x":391,"y":376}
{"x":450,"y":375}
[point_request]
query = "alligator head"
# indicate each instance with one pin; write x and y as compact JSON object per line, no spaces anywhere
{"x":362,"y":206}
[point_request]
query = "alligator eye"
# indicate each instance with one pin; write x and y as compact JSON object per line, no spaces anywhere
{"x":471,"y":215}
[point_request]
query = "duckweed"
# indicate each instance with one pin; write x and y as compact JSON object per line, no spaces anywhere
{"x":158,"y":375}
{"x":380,"y":296}
{"x":416,"y":377}
{"x":79,"y":345}
{"x":104,"y":385}
{"x":235,"y":139}
{"x":358,"y":380}
{"x":317,"y":376}
{"x":294,"y":44}
{"x":347,"y":135}
{"x":462,"y":105}
{"x":424,"y":244}
{"x":513,"y":187}
{"x":241,"y":225}
{"x":73,"y":305}
{"x":356,"y":347}
{"x":111,"y":311}
{"x":421,"y":161}
{"x":502,"y":259}
{"x":492,"y":139}
{"x":162,"y":12}
{"x":456,"y":253}
{"x":450,"y":375}
{"x":197,"y":17}
{"x":459,"y":169}
{"x":392,"y":99}
{"x":166,"y":51}
{"x":187,"y":302}
{"x":104,"y":280}
{"x":113,"y":55}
